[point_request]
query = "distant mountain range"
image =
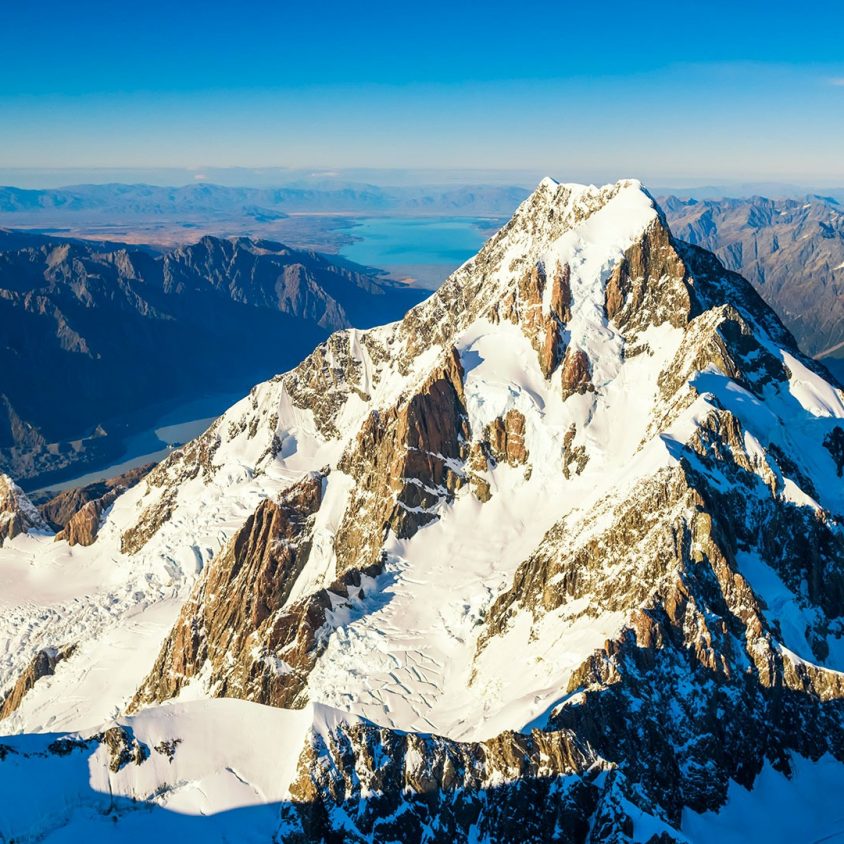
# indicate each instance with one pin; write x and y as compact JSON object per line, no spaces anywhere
{"x":792,"y":251}
{"x":201,"y":202}
{"x":89,"y":332}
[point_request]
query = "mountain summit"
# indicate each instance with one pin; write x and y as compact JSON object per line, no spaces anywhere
{"x":559,"y":556}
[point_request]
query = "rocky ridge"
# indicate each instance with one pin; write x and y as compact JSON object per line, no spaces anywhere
{"x":17,"y":513}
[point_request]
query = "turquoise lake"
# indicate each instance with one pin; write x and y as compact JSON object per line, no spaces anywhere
{"x":426,"y":249}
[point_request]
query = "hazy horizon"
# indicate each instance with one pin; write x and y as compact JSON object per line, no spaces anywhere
{"x":338,"y":178}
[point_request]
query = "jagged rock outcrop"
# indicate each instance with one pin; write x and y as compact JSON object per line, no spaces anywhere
{"x":695,"y":689}
{"x":575,"y":457}
{"x":430,"y":788}
{"x":17,"y":513}
{"x":505,"y":438}
{"x":577,"y":373}
{"x":123,"y":748}
{"x":183,"y":465}
{"x":43,"y":665}
{"x":649,"y":285}
{"x":542,"y":323}
{"x":230,"y":628}
{"x":78,"y":513}
{"x":60,"y":509}
{"x":404,"y":462}
{"x":83,"y":526}
{"x":649,"y":707}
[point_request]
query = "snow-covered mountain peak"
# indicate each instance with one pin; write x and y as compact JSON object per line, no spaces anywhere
{"x":548,"y":265}
{"x":579,"y":511}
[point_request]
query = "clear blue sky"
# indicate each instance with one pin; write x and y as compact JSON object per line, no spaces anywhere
{"x":666,"y":91}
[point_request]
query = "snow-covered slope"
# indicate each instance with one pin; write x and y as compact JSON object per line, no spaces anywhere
{"x":154,"y":774}
{"x":573,"y":523}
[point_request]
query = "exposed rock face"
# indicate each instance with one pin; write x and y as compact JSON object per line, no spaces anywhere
{"x":648,"y":287}
{"x":60,"y":509}
{"x":430,"y":788}
{"x":649,"y":706}
{"x":43,"y":665}
{"x":17,"y":513}
{"x":541,"y":323}
{"x":183,"y":464}
{"x":667,"y":555}
{"x":505,"y":438}
{"x":404,"y":463}
{"x":561,"y":293}
{"x":123,"y":748}
{"x":322,"y":382}
{"x":83,"y":526}
{"x":577,"y":651}
{"x":577,"y":373}
{"x":232,"y":629}
{"x":575,"y":457}
{"x":82,"y":510}
{"x":688,"y":646}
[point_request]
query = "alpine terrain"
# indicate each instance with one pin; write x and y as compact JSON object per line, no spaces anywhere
{"x":557,"y":557}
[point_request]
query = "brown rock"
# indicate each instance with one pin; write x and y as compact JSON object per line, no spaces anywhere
{"x":231,"y":620}
{"x":544,"y":330}
{"x":561,"y":293}
{"x":575,"y":457}
{"x":17,"y":513}
{"x":60,"y":509}
{"x":577,"y":373}
{"x":193,"y":459}
{"x":505,"y":438}
{"x":481,"y":488}
{"x":83,"y":526}
{"x":43,"y":665}
{"x":405,"y":463}
{"x":123,"y":748}
{"x":649,"y":286}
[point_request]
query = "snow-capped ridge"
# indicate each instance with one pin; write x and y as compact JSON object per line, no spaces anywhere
{"x":584,"y":499}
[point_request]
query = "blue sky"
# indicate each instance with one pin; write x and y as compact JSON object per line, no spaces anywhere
{"x":676,"y":92}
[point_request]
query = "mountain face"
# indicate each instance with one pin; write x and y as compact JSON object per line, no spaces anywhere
{"x":557,"y":557}
{"x":792,"y":251}
{"x":88,"y":332}
{"x":76,"y":514}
